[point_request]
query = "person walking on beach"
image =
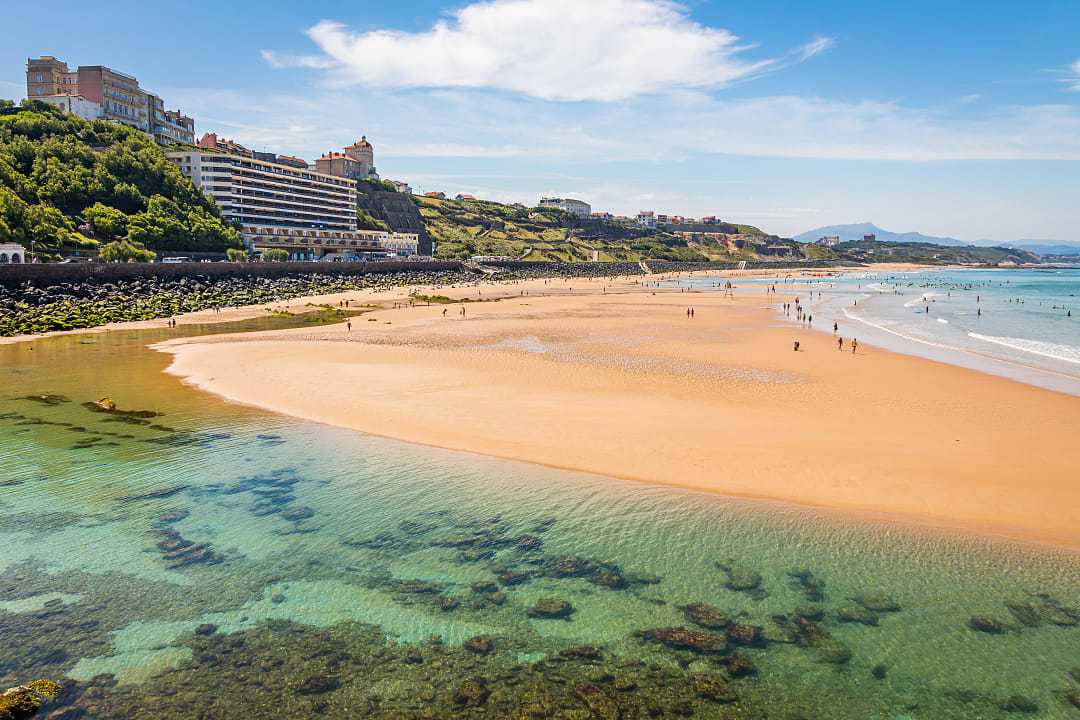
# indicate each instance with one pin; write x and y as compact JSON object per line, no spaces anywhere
{"x":691,"y":313}
{"x":444,"y":312}
{"x":854,"y":345}
{"x":349,"y":325}
{"x":840,"y":342}
{"x":836,"y":328}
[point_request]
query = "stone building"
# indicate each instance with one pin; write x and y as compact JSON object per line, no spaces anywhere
{"x":95,"y":91}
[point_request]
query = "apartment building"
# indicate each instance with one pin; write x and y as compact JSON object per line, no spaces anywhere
{"x":108,"y":94}
{"x":574,"y":207}
{"x":309,"y":214}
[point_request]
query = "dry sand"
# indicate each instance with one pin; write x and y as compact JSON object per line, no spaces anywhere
{"x":623,"y":384}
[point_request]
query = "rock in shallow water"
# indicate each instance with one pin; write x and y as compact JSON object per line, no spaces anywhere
{"x":551,"y":608}
{"x":989,"y":625}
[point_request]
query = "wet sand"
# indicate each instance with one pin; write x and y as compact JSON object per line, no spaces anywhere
{"x":622,"y":383}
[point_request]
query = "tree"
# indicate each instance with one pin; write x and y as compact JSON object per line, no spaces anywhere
{"x":125,"y":251}
{"x":108,"y":222}
{"x":237,"y":255}
{"x":58,"y":171}
{"x":274,"y":255}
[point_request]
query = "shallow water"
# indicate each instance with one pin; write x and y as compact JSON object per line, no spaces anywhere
{"x":1019,"y":323}
{"x":308,"y":535}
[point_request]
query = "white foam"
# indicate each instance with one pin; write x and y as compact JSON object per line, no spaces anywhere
{"x":1057,"y":351}
{"x":943,"y":321}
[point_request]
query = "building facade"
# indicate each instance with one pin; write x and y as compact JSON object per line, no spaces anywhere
{"x":76,"y":105}
{"x":117,"y":94}
{"x":309,"y":214}
{"x":574,"y":207}
{"x":12,"y":253}
{"x":828,"y":240}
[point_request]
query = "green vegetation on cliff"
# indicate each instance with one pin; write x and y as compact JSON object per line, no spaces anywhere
{"x":66,"y":183}
{"x":463,"y":229}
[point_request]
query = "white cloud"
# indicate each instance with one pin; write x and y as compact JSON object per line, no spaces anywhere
{"x":1074,"y":76}
{"x":568,"y":50}
{"x":688,"y":126}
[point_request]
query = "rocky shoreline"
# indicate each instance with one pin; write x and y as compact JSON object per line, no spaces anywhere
{"x":39,"y":307}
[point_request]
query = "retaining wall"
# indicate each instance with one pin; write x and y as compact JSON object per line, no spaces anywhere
{"x":55,"y":273}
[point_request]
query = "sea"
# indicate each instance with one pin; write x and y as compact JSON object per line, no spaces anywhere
{"x":1021,"y":323}
{"x":165,"y":554}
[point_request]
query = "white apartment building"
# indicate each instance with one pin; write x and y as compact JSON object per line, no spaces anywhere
{"x":311,"y":215}
{"x":574,"y":207}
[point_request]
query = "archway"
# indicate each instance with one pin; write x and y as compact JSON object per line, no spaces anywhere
{"x":3,"y":258}
{"x":16,"y":258}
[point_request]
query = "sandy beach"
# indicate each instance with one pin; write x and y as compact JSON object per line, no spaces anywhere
{"x":615,"y":379}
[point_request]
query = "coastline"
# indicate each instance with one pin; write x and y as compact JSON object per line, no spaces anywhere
{"x":613,"y":379}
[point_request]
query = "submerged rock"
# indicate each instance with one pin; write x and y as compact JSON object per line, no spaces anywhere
{"x":812,"y":587}
{"x":740,"y":634}
{"x":985,"y":624}
{"x":828,"y":649}
{"x":739,"y":665}
{"x":705,"y":615}
{"x":680,"y":638}
{"x":810,"y":612}
{"x":473,"y":692}
{"x":318,"y":684}
{"x":551,"y":608}
{"x":480,"y":645}
{"x":714,"y":686}
{"x":1025,"y":613}
{"x":856,"y":614}
{"x":743,"y":579}
{"x":1018,"y":703}
{"x":877,"y":602}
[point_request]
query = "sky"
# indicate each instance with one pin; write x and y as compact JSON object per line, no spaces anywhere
{"x":959,"y":118}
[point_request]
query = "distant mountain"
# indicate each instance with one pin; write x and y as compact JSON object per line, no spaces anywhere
{"x":856,"y":231}
{"x":1047,"y":247}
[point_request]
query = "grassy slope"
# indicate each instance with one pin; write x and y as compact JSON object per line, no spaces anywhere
{"x":463,"y":229}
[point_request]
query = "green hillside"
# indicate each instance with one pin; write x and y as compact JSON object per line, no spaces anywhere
{"x":463,"y":229}
{"x":931,"y":254}
{"x":67,"y":184}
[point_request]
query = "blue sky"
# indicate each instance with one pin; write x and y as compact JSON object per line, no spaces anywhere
{"x":959,"y":118}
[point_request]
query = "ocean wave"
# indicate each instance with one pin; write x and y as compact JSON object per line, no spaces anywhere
{"x":922,"y":300}
{"x":1057,"y":351}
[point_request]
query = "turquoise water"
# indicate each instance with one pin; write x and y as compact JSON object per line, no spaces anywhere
{"x":213,"y":560}
{"x":1019,"y":323}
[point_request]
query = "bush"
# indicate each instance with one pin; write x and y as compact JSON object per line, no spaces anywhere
{"x":238,"y":255}
{"x":274,"y":255}
{"x":125,"y":251}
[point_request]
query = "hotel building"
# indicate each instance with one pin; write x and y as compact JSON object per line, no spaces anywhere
{"x":574,"y":207}
{"x":309,"y":214}
{"x":97,"y":92}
